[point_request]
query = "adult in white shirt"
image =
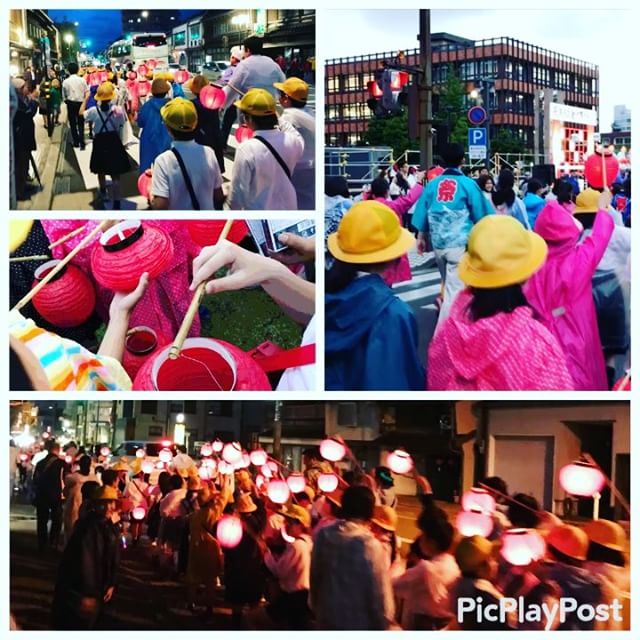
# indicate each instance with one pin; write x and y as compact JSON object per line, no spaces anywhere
{"x":254,"y":72}
{"x":293,"y":97}
{"x":188,"y":175}
{"x":292,"y":568}
{"x":73,"y":494}
{"x":73,"y":90}
{"x":264,"y":165}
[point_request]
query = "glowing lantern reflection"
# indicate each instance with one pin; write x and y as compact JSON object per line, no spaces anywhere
{"x":478,"y":499}
{"x":582,"y":479}
{"x":278,"y":491}
{"x":104,"y":451}
{"x":140,"y":453}
{"x":327,"y":482}
{"x":258,"y":457}
{"x":144,"y":184}
{"x":232,"y":452}
{"x":206,"y":450}
{"x":211,"y":97}
{"x":165,"y":455}
{"x":296,"y":482}
{"x":138,"y":513}
{"x":243,"y":133}
{"x":399,"y":461}
{"x":217,"y":445}
{"x":147,"y":466}
{"x":229,"y":531}
{"x":474,"y":523}
{"x":332,"y":449}
{"x":521,"y":547}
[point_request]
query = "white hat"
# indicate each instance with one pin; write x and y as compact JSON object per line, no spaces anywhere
{"x":236,"y":52}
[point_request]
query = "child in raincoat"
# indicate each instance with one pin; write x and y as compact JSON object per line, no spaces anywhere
{"x":155,"y":138}
{"x":561,"y":292}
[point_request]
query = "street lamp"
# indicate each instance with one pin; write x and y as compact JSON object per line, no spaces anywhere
{"x":145,"y":14}
{"x":68,"y":38}
{"x":76,"y":24}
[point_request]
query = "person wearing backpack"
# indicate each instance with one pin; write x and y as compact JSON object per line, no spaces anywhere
{"x":187,"y":176}
{"x":108,"y":155}
{"x":264,"y":165}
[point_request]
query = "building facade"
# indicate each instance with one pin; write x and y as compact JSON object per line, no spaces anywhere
{"x":34,"y":40}
{"x":150,"y":21}
{"x":523,"y":82}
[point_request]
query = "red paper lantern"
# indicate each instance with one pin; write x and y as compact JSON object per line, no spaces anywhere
{"x":144,"y":183}
{"x":94,"y":79}
{"x":159,"y":465}
{"x":165,"y":455}
{"x":132,"y":75}
{"x":181,"y":76}
{"x":206,"y":233}
{"x":332,"y":449}
{"x":477,"y":498}
{"x":296,"y":482}
{"x":225,"y":468}
{"x":229,"y":531}
{"x":142,"y":70}
{"x":212,"y":97}
{"x":374,"y":89}
{"x":140,"y":453}
{"x":103,"y":76}
{"x":582,"y":479}
{"x":138,"y":513}
{"x":104,"y":451}
{"x":243,"y":133}
{"x":265,"y":469}
{"x":217,"y":445}
{"x":206,"y":450}
{"x":68,"y":300}
{"x":258,"y":457}
{"x":399,"y":461}
{"x":474,"y":523}
{"x":327,"y":482}
{"x":204,"y":473}
{"x":144,"y":87}
{"x":244,"y":461}
{"x":148,"y":466}
{"x":593,"y":169}
{"x":141,"y":344}
{"x":210,"y":463}
{"x":278,"y":491}
{"x":399,"y":80}
{"x":152,"y":64}
{"x":434,"y":173}
{"x":521,"y":547}
{"x":206,"y":365}
{"x":126,"y":251}
{"x":273,"y":466}
{"x":232,"y":452}
{"x":260,"y":481}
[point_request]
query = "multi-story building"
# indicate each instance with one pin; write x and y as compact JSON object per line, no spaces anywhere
{"x":150,"y":21}
{"x":522,"y":84}
{"x":621,"y":118}
{"x":34,"y":40}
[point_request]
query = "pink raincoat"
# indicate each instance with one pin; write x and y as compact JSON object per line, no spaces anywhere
{"x":401,"y":271}
{"x":562,"y":292}
{"x":507,"y":352}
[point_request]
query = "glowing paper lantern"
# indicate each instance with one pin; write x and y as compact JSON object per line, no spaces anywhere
{"x":152,"y":64}
{"x":204,"y":473}
{"x":593,"y":170}
{"x":132,"y":75}
{"x":521,"y":547}
{"x":374,"y":89}
{"x":399,"y":461}
{"x":278,"y":491}
{"x":296,"y":482}
{"x":138,"y":513}
{"x":474,"y":523}
{"x":229,"y":531}
{"x":140,"y":453}
{"x":244,"y":461}
{"x":181,"y":76}
{"x":582,"y":479}
{"x":217,"y":445}
{"x":327,"y":482}
{"x":165,"y":455}
{"x":104,"y":451}
{"x":258,"y":457}
{"x":225,"y":468}
{"x":206,"y":450}
{"x":265,"y":469}
{"x":260,"y":481}
{"x":478,"y":499}
{"x":273,"y":466}
{"x":212,"y":97}
{"x":210,"y":463}
{"x":332,"y":449}
{"x":243,"y":133}
{"x":232,"y":452}
{"x":144,"y":184}
{"x":148,"y":466}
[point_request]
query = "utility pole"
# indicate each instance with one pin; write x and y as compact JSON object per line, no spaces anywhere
{"x":277,"y":431}
{"x":425,"y":115}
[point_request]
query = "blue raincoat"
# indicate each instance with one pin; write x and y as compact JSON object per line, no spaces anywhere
{"x":155,"y":138}
{"x":371,"y":339}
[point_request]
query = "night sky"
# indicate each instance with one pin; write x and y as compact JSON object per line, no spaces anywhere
{"x":102,"y":26}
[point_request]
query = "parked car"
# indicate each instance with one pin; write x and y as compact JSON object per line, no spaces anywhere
{"x":213,"y":70}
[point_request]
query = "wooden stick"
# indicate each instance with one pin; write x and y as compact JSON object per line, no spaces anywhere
{"x":30,"y":258}
{"x":605,"y":185}
{"x":185,"y":327}
{"x":63,"y":263}
{"x":70,"y":235}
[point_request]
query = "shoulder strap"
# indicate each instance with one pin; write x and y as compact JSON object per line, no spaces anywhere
{"x":275,"y":154}
{"x":192,"y":194}
{"x":104,"y":120}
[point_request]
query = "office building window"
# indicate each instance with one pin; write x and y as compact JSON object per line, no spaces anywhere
{"x":333,"y":84}
{"x":149,"y":407}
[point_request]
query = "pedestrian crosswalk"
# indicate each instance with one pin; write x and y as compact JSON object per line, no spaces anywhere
{"x":424,"y":287}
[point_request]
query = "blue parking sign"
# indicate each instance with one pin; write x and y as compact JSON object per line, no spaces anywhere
{"x":477,"y":137}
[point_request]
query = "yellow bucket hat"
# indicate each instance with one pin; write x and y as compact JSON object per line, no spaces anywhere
{"x":296,"y":512}
{"x":106,"y":92}
{"x":385,"y":517}
{"x":105,"y":493}
{"x":180,"y":114}
{"x":607,"y":534}
{"x":587,"y":201}
{"x":18,"y":233}
{"x":369,"y":233}
{"x":257,"y":102}
{"x":294,"y":88}
{"x":569,"y":540}
{"x":501,"y":252}
{"x":472,"y":552}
